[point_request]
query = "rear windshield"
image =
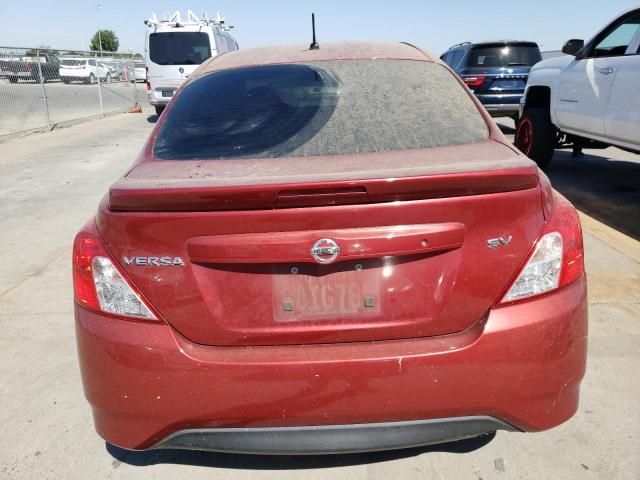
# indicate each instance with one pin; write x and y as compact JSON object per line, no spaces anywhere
{"x":73,"y":62}
{"x":505,"y":56}
{"x":139,"y":65}
{"x":324,"y":108}
{"x":179,"y":48}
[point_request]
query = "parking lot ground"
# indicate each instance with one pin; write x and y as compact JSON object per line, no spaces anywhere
{"x":50,"y":185}
{"x":22,"y":104}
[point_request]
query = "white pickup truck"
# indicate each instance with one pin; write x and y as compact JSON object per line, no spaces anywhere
{"x":587,"y":98}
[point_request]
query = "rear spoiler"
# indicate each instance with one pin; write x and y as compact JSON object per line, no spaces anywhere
{"x":130,"y":196}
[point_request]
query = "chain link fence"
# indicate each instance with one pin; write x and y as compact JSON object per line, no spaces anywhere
{"x":43,"y":87}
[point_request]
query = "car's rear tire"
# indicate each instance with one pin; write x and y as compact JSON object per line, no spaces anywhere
{"x":159,"y":109}
{"x":536,"y":136}
{"x":92,"y":79}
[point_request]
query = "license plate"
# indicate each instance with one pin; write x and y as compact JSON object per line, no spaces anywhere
{"x":312,"y":293}
{"x":509,"y":84}
{"x":166,"y":93}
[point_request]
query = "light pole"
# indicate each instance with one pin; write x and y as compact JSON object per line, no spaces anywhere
{"x":98,"y":7}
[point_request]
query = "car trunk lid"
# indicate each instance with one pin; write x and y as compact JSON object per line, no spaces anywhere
{"x":261,"y":264}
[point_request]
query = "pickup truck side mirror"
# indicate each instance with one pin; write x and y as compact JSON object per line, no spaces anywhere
{"x":573,"y":46}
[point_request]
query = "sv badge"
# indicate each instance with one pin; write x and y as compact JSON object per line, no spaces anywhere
{"x":499,"y":242}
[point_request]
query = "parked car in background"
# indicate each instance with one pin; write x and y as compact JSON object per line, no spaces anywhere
{"x":278,"y":273}
{"x":174,"y":49}
{"x":590,"y":98}
{"x":140,"y":72}
{"x":4,"y":62}
{"x":29,"y":68}
{"x":495,"y":71}
{"x":116,"y":69}
{"x":86,"y":70}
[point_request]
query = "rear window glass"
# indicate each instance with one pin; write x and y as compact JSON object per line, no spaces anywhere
{"x":179,"y":48}
{"x":324,"y":108}
{"x":73,"y":62}
{"x":504,"y":56}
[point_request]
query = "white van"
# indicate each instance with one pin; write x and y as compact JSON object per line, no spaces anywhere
{"x":174,"y":49}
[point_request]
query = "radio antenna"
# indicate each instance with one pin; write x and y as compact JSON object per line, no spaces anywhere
{"x":314,"y":45}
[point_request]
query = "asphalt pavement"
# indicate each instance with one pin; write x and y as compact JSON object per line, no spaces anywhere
{"x":22,"y":104}
{"x":51,"y":183}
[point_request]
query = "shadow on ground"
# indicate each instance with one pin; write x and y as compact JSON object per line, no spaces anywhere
{"x":506,"y":129}
{"x":603,"y":188}
{"x":284,"y":462}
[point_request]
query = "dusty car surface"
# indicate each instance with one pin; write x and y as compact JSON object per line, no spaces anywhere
{"x":325,"y":251}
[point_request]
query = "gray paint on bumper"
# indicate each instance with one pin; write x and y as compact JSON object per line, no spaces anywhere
{"x":503,"y":109}
{"x":327,"y":439}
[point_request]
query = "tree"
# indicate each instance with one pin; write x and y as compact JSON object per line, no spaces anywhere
{"x":110,"y":42}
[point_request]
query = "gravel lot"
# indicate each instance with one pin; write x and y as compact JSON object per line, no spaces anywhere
{"x":50,"y":185}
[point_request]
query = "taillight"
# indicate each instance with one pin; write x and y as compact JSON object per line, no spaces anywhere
{"x":99,"y":285}
{"x":556,"y":259}
{"x":473,"y":80}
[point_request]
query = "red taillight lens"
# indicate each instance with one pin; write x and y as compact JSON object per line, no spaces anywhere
{"x":85,"y":248}
{"x":565,"y":219}
{"x":99,"y":284}
{"x":556,"y":259}
{"x":473,"y":80}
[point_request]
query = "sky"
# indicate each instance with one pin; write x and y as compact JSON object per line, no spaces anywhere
{"x":434,"y":25}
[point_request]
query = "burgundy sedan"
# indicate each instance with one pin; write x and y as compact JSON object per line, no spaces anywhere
{"x":325,"y":251}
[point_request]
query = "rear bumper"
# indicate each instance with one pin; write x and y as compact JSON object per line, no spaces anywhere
{"x":156,"y":97}
{"x":157,"y":102}
{"x":75,"y":77}
{"x":151,"y":388}
{"x":8,"y":73}
{"x":502,"y":110}
{"x":501,"y":105}
{"x":325,"y":439}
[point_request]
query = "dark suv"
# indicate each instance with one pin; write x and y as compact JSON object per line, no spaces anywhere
{"x":496,"y":72}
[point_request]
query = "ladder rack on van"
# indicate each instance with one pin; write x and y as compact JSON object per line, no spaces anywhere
{"x":192,"y":19}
